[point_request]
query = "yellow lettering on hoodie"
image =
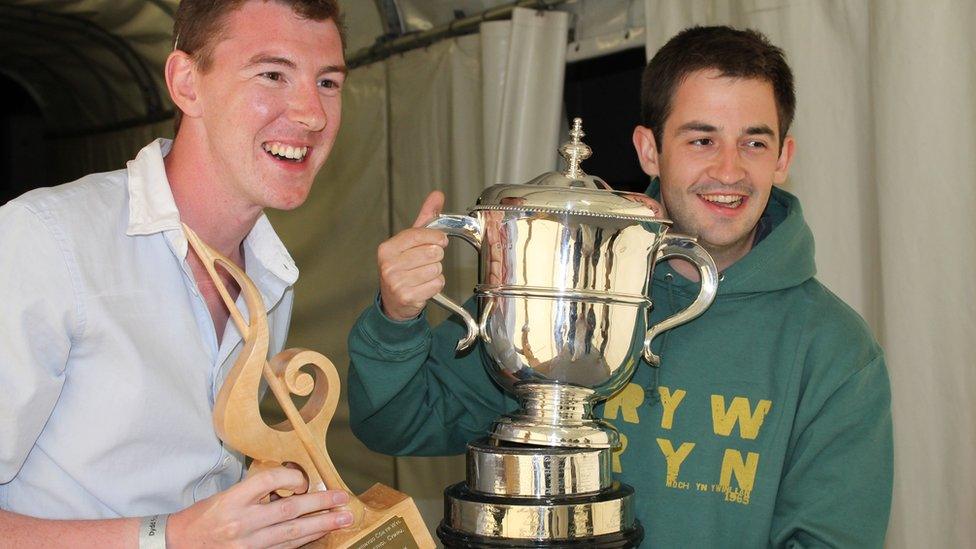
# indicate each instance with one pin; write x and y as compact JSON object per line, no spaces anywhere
{"x":744,"y":471}
{"x":626,"y":401}
{"x":674,"y":458}
{"x":739,"y":411}
{"x":670,"y":402}
{"x":619,"y":452}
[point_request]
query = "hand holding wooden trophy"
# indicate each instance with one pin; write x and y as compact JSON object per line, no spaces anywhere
{"x":382,"y":516}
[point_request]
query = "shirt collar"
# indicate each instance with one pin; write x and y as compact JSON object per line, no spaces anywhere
{"x":151,"y":205}
{"x":152,"y":209}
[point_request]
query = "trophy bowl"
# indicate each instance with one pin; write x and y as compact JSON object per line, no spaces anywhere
{"x":564,"y":295}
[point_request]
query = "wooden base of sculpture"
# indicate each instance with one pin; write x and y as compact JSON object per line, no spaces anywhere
{"x":382,"y":516}
{"x":391,"y":521}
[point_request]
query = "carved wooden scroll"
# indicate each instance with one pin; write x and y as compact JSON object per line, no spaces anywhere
{"x":380,"y":514}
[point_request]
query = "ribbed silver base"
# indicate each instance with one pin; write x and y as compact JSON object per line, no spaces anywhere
{"x":489,"y":521}
{"x":527,"y":471}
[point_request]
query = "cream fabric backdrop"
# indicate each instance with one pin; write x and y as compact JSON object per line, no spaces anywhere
{"x":924,"y":89}
{"x":886,"y":132}
{"x":523,"y":67}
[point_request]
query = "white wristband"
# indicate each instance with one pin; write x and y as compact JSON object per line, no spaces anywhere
{"x":152,"y":532}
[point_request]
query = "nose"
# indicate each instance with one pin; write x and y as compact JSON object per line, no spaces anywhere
{"x":727,"y":167}
{"x":306,"y":108}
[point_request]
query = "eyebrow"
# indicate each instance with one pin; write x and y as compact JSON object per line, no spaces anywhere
{"x":697,"y":126}
{"x":263,"y":58}
{"x":761,"y":129}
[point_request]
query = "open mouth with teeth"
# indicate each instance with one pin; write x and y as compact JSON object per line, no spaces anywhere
{"x":288,"y":153}
{"x":729,"y":201}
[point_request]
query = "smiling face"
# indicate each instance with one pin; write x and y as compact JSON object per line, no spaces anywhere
{"x":267,"y":109}
{"x":719,"y":159}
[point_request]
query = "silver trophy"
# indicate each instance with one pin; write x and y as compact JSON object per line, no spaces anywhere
{"x":564,"y":301}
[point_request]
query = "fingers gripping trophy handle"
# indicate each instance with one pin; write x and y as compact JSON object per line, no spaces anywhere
{"x":471,"y":230}
{"x":684,"y":247}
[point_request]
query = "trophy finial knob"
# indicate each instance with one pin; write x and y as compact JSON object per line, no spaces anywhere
{"x":575,"y":151}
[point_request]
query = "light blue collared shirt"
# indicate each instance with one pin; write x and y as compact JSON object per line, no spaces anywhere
{"x":109,"y":362}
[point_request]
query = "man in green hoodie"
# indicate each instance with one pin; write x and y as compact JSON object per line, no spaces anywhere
{"x":768,"y":421}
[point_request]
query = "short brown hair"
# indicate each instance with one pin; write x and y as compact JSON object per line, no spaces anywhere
{"x":198,"y":24}
{"x":734,"y":53}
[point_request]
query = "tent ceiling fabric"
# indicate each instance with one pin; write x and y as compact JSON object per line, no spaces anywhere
{"x":421,"y":15}
{"x":93,"y":65}
{"x":89,"y":63}
{"x":592,"y":17}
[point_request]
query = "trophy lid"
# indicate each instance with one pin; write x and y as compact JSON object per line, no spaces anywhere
{"x":571,"y":191}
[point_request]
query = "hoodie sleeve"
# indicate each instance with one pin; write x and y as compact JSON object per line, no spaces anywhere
{"x":836,"y":485}
{"x":410,"y":394}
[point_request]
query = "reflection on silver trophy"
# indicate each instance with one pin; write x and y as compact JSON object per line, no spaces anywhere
{"x":564,"y":301}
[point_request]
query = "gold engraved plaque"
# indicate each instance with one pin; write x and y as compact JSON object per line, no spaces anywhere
{"x":392,"y":534}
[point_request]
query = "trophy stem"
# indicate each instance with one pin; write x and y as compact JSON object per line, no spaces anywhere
{"x":554,"y":403}
{"x":553,"y":414}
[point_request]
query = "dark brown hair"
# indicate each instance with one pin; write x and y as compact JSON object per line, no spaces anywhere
{"x":734,"y":53}
{"x":198,"y":25}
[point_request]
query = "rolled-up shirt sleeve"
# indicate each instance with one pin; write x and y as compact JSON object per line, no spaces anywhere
{"x":40,"y":316}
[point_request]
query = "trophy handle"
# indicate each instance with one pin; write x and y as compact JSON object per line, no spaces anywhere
{"x":685,"y":247}
{"x":471,"y":230}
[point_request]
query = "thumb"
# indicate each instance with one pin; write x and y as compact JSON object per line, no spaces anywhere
{"x":431,"y":208}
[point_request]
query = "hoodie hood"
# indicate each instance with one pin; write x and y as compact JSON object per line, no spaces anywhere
{"x":783,"y":259}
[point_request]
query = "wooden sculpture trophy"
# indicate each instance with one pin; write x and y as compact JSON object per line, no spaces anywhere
{"x":382,"y":516}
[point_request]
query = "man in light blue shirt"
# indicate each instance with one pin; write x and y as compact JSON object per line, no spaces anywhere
{"x":113,"y":339}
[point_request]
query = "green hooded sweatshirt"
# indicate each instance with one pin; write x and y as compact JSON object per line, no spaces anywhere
{"x":768,"y":422}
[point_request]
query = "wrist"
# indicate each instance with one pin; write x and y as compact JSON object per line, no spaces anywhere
{"x":399,"y":315}
{"x":174,"y":530}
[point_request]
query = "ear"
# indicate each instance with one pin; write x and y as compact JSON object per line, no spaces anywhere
{"x":181,"y":80}
{"x":785,"y":160}
{"x":646,"y":148}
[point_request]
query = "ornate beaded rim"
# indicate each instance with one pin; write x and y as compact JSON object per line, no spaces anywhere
{"x":566,"y":210}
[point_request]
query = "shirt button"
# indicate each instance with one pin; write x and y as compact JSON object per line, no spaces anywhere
{"x":226,"y":460}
